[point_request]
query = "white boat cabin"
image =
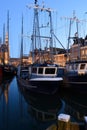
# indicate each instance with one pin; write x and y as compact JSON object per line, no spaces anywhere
{"x":45,"y":71}
{"x":80,"y":67}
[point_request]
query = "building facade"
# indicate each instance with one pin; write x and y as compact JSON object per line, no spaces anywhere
{"x":4,"y":51}
{"x":78,"y":51}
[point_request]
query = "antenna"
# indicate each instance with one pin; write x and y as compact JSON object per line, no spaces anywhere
{"x":35,"y":2}
{"x":35,"y":6}
{"x":74,"y":18}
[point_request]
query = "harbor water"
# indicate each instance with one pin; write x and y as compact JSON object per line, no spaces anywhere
{"x":22,"y":110}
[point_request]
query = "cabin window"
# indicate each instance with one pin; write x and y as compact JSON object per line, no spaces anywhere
{"x":50,"y":71}
{"x":82,"y":66}
{"x":40,"y":71}
{"x":70,"y":67}
{"x":76,"y":66}
{"x":34,"y":70}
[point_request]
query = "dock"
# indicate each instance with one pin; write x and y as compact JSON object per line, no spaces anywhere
{"x":64,"y":123}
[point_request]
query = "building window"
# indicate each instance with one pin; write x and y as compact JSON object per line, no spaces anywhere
{"x":86,"y":51}
{"x":82,"y":52}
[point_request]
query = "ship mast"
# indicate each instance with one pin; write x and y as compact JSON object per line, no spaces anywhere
{"x":72,"y":20}
{"x":36,"y":37}
{"x":36,"y":32}
{"x":21,"y":52}
{"x":51,"y":31}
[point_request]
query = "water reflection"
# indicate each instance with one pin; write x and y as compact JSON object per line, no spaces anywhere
{"x":4,"y":89}
{"x":75,"y":104}
{"x":4,"y":95}
{"x":20,"y":109}
{"x":43,"y":108}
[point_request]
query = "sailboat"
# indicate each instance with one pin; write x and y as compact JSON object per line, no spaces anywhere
{"x":44,"y":76}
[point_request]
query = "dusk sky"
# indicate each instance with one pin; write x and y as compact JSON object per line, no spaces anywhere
{"x":63,"y":10}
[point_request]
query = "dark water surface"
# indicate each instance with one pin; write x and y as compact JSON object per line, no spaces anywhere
{"x":22,"y":110}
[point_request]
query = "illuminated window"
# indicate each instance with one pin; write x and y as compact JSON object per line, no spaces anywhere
{"x":86,"y":51}
{"x":82,"y":52}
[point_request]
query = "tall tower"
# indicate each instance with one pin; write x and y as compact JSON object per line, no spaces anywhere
{"x":6,"y":49}
{"x":7,"y":41}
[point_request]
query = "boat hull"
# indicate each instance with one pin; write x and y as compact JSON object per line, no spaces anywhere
{"x":77,"y":82}
{"x":45,"y":87}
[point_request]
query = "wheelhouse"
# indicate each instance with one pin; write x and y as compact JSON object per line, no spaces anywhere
{"x":45,"y":71}
{"x":80,"y":67}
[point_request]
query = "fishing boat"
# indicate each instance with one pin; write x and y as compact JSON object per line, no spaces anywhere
{"x":7,"y":71}
{"x":44,"y":76}
{"x":47,"y":77}
{"x":77,"y":75}
{"x":76,"y":66}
